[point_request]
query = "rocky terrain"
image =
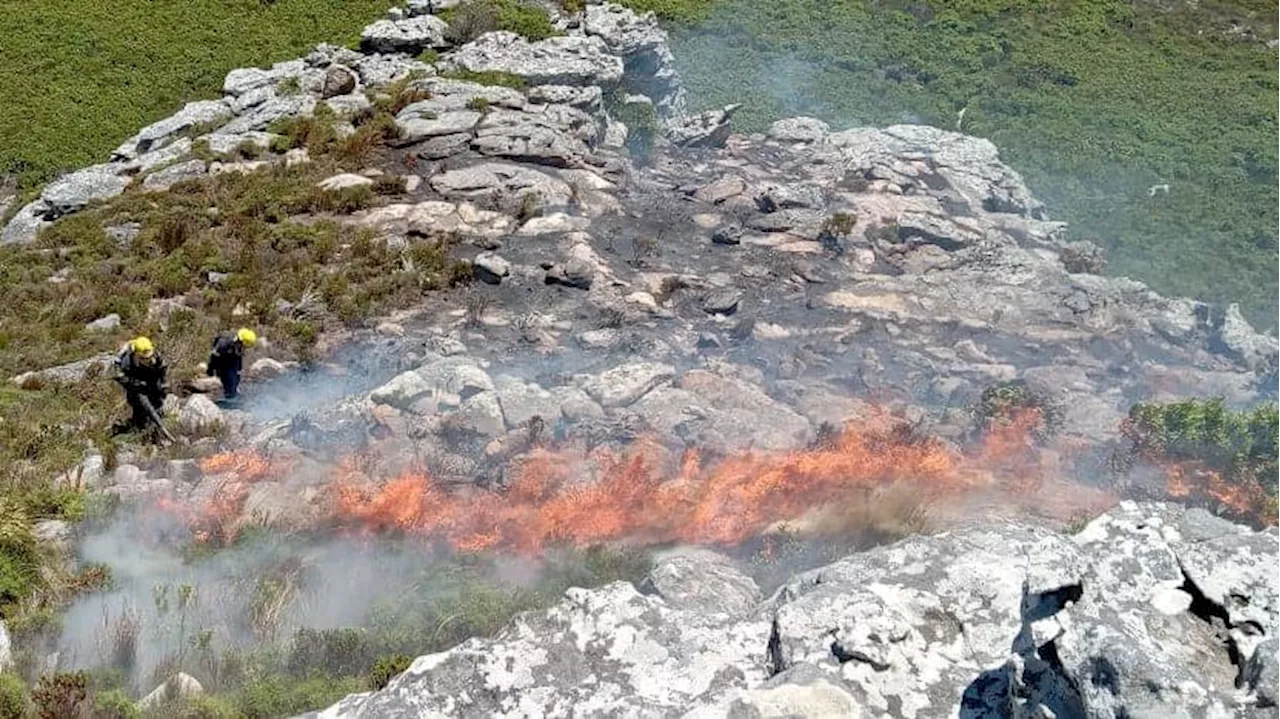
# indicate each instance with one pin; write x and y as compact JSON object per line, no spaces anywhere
{"x":1151,"y":610}
{"x":723,"y":292}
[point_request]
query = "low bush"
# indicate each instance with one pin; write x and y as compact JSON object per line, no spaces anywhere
{"x":13,"y":697}
{"x":385,"y":669}
{"x":1017,"y":403}
{"x":641,"y":120}
{"x":61,"y":695}
{"x":278,"y":696}
{"x":472,"y":19}
{"x":1240,"y":446}
{"x":687,"y":12}
{"x":114,"y":704}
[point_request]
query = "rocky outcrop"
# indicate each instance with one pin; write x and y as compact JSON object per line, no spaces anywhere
{"x":648,"y":66}
{"x":565,"y":60}
{"x":1152,"y":610}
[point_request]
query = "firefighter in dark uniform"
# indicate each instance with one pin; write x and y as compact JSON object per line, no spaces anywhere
{"x":141,"y":372}
{"x":227,"y":359}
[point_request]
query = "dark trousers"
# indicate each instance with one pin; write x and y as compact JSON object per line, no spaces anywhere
{"x":140,"y":417}
{"x":230,"y":378}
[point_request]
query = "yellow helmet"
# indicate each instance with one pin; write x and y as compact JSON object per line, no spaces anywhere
{"x":142,"y":346}
{"x":247,"y":336}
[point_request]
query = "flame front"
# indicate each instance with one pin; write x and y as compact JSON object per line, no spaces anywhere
{"x":644,"y":497}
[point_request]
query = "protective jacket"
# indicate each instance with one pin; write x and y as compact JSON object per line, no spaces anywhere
{"x":226,"y":361}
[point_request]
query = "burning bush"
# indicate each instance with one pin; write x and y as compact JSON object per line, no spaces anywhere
{"x":1209,"y":450}
{"x":1012,"y":403}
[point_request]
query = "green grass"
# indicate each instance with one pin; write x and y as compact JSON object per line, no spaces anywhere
{"x":79,"y":77}
{"x":1093,"y":102}
{"x":274,"y":237}
{"x":493,"y":78}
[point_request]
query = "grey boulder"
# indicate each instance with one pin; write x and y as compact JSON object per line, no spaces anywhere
{"x":409,"y":35}
{"x":565,"y":60}
{"x":72,"y":192}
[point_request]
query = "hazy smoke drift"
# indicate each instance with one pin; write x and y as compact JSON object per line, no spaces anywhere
{"x":243,"y":596}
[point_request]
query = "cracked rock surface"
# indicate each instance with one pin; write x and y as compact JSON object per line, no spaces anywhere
{"x":998,"y":621}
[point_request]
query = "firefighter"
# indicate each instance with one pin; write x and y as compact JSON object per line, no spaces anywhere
{"x":227,"y":359}
{"x":141,"y":372}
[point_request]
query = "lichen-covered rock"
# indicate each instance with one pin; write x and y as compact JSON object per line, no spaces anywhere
{"x":26,"y":224}
{"x":409,"y":35}
{"x":703,"y":581}
{"x":505,"y":183}
{"x":72,"y":192}
{"x":564,"y":60}
{"x":705,"y":129}
{"x":609,"y":651}
{"x":1257,"y":351}
{"x":200,"y":416}
{"x":1000,"y":621}
{"x":799,"y":129}
{"x":442,"y":383}
{"x":172,"y":175}
{"x":642,"y":44}
{"x":202,"y":113}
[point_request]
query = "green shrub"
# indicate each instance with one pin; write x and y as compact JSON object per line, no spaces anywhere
{"x":202,"y":706}
{"x":276,"y":696}
{"x":19,"y":559}
{"x":472,"y":19}
{"x":641,"y":120}
{"x":386,"y":669}
{"x":428,"y":57}
{"x":1240,"y":445}
{"x":329,"y":651}
{"x":114,"y":704}
{"x":13,"y":697}
{"x":680,"y":11}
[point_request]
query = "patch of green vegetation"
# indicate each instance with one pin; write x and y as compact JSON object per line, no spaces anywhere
{"x":278,"y":696}
{"x":114,"y":704}
{"x":641,"y":120}
{"x":386,"y":668}
{"x":78,"y":77}
{"x":493,"y":78}
{"x":1094,"y":103}
{"x":428,"y":57}
{"x":472,"y":19}
{"x":197,"y":707}
{"x":270,"y":239}
{"x":1241,"y":445}
{"x":13,"y":697}
{"x":681,"y":11}
{"x":447,"y":603}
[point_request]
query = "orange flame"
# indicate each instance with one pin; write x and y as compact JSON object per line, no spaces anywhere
{"x":642,"y":496}
{"x":1192,"y":479}
{"x":220,"y":517}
